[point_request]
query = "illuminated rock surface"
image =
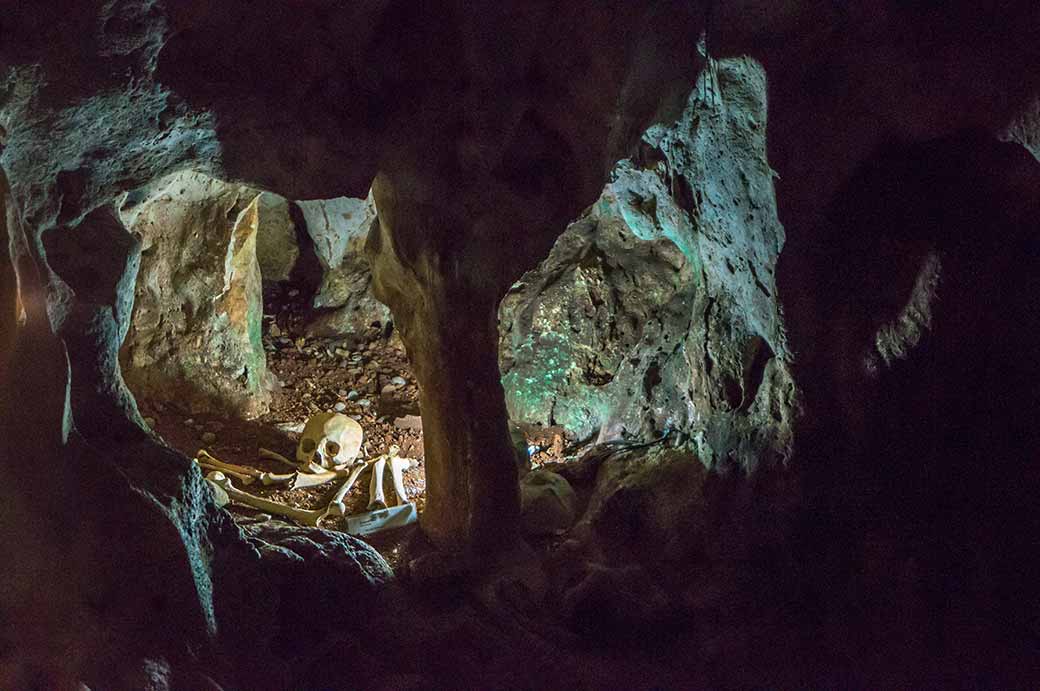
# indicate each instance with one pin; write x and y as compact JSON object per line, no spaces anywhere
{"x":346,"y":307}
{"x":195,"y":339}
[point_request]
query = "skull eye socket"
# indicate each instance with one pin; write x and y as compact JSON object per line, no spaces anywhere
{"x":332,"y":448}
{"x":308,"y":446}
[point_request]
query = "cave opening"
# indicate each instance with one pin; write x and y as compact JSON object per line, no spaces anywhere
{"x":253,"y":315}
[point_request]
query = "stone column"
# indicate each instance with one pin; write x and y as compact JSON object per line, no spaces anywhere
{"x":447,"y":314}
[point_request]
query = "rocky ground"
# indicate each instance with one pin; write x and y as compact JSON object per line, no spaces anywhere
{"x":371,"y":382}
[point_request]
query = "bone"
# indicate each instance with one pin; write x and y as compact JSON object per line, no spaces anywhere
{"x":269,"y":479}
{"x":314,"y":479}
{"x":301,"y":516}
{"x":329,"y":440}
{"x":336,"y":506}
{"x":303,"y":467}
{"x":206,"y":458}
{"x":376,"y":499}
{"x":244,"y":479}
{"x":397,"y":467}
{"x":275,"y":456}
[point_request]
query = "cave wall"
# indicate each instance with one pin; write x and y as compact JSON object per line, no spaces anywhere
{"x":914,"y":447}
{"x":657,"y":311}
{"x":194,"y":341}
{"x":343,"y":302}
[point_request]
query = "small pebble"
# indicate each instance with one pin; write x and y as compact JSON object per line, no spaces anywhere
{"x":340,"y":407}
{"x":293,"y":292}
{"x":353,"y":396}
{"x":364,"y":403}
{"x":208,"y":438}
{"x":388,"y":389}
{"x":398,"y":381}
{"x":275,"y":331}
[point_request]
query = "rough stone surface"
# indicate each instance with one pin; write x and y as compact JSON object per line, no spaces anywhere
{"x":547,"y":503}
{"x":195,"y":335}
{"x":657,"y":310}
{"x":493,"y":128}
{"x":277,"y":250}
{"x":344,"y":301}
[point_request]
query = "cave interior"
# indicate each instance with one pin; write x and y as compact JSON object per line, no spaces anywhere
{"x":593,"y":344}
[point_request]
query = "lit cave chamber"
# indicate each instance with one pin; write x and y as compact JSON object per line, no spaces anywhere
{"x":408,"y":345}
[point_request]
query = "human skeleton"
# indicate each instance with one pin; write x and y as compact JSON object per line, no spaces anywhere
{"x":328,"y":450}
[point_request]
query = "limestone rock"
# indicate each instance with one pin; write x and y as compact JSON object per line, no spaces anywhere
{"x":359,"y":566}
{"x":649,"y":505}
{"x":547,"y":503}
{"x":657,"y":310}
{"x":195,"y":334}
{"x":578,"y":342}
{"x":339,"y":228}
{"x":276,"y":248}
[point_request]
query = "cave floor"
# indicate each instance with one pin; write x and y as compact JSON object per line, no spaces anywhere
{"x":371,"y":382}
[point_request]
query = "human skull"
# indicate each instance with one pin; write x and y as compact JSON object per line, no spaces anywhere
{"x":329,"y":439}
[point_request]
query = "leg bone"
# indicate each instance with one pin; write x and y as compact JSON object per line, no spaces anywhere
{"x":301,"y":516}
{"x":376,"y":499}
{"x":397,"y":467}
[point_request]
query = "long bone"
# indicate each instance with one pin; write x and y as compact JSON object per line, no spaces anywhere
{"x":397,"y":467}
{"x":302,"y":516}
{"x":206,"y":458}
{"x":336,"y":505}
{"x":208,"y":467}
{"x":376,"y":500}
{"x":242,"y":472}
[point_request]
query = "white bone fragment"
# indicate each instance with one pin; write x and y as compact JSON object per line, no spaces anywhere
{"x":397,"y":467}
{"x":329,"y":440}
{"x":336,"y":506}
{"x":376,"y":499}
{"x":314,"y":479}
{"x":220,"y":497}
{"x":269,"y":479}
{"x":301,"y":516}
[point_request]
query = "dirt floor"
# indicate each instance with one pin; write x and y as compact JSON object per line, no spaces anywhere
{"x":371,"y":382}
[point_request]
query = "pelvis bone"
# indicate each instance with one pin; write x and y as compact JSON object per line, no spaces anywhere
{"x":330,"y":440}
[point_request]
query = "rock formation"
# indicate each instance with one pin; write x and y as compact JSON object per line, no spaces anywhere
{"x":195,"y":339}
{"x":344,"y":302}
{"x":657,"y":311}
{"x":873,"y":530}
